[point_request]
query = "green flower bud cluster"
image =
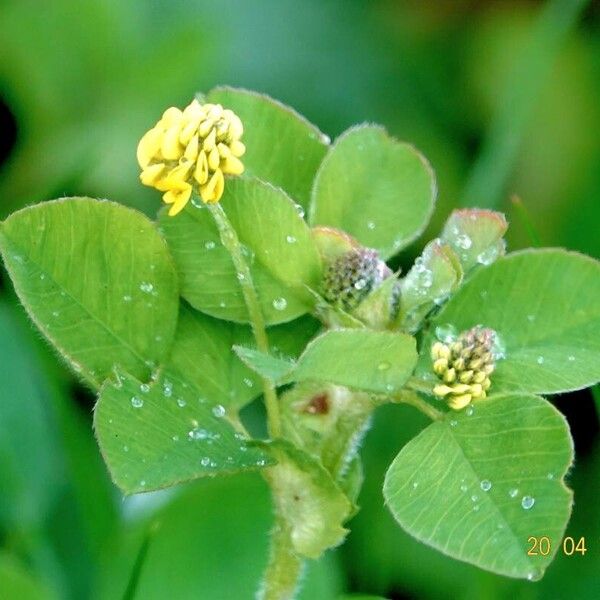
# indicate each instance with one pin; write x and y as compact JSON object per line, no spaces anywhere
{"x":464,"y":366}
{"x":349,"y":278}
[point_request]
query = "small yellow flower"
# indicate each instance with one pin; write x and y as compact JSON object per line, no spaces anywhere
{"x":191,"y":150}
{"x":464,"y":366}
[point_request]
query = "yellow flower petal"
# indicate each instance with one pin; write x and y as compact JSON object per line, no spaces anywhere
{"x":201,"y":171}
{"x":171,"y":116}
{"x":215,"y":112}
{"x":148,"y":147}
{"x":178,"y":200}
{"x":177,"y":178}
{"x":214,"y":159}
{"x":213,"y":190}
{"x":191,"y":151}
{"x":205,"y":127}
{"x":150,"y":174}
{"x":170,"y":146}
{"x":236,"y":129}
{"x":189,"y":130}
{"x":210,"y":141}
{"x":232,"y":166}
{"x":237,"y":148}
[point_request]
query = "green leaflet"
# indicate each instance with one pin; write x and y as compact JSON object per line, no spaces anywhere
{"x":307,"y":498}
{"x":544,"y":306}
{"x":203,"y":356}
{"x":376,"y":189}
{"x":154,"y":436}
{"x":479,"y":483}
{"x":97,"y":280}
{"x":282,"y":146}
{"x":373,"y":361}
{"x":278,"y":245}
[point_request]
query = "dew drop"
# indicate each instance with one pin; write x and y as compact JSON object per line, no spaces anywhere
{"x":383,"y":366}
{"x":486,"y":485}
{"x":445,"y":333}
{"x":136,"y":402}
{"x":175,"y":438}
{"x":476,"y":507}
{"x":248,"y":382}
{"x":181,"y":402}
{"x":143,"y":483}
{"x":290,"y":239}
{"x":531,"y":318}
{"x":241,"y":276}
{"x":453,"y":423}
{"x":415,"y":485}
{"x":469,"y":411}
{"x":464,"y":241}
{"x":144,"y":388}
{"x":205,"y":461}
{"x":209,"y":245}
{"x":488,"y":256}
{"x":125,"y":448}
{"x":571,"y":358}
{"x":280,"y":303}
{"x":540,"y":360}
{"x":474,"y":497}
{"x":127,"y":298}
{"x":463,"y":487}
{"x":218,"y":410}
{"x":167,"y":389}
{"x":550,"y":476}
{"x":527,"y":502}
{"x":198,"y":434}
{"x":370,"y":225}
{"x":300,"y":210}
{"x":513,"y":492}
{"x":146,"y":287}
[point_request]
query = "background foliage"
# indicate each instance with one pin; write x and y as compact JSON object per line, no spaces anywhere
{"x":79,"y":84}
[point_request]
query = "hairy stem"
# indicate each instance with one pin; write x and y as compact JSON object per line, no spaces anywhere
{"x":283,"y":572}
{"x":230,"y":240}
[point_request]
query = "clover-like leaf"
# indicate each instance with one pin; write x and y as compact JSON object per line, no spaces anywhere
{"x":374,"y":361}
{"x":376,"y":189}
{"x":282,"y":146}
{"x":307,"y":498}
{"x":203,"y":356}
{"x":97,"y":280}
{"x":543,"y":305}
{"x":478,"y":484}
{"x":159,"y":434}
{"x":476,"y":236}
{"x":276,"y":241}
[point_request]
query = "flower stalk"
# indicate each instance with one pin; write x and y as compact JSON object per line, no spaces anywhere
{"x":230,"y":240}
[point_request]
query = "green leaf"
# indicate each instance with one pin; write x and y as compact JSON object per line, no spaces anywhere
{"x":97,"y":280}
{"x":374,"y":361}
{"x":282,"y":146}
{"x":477,"y":486}
{"x":544,"y":306}
{"x":266,"y":365}
{"x":476,"y":236}
{"x":278,"y":245}
{"x":155,"y":436}
{"x":203,"y":357}
{"x":307,"y":498}
{"x":376,"y":189}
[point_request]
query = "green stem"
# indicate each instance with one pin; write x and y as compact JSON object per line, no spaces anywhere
{"x":230,"y":240}
{"x":283,"y":572}
{"x":412,"y":398}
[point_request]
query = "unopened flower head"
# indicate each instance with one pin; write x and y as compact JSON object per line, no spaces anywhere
{"x":350,"y":277}
{"x":464,"y":366}
{"x":191,"y":149}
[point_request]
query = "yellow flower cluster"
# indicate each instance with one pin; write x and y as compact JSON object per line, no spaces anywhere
{"x":193,"y":147}
{"x":464,"y":366}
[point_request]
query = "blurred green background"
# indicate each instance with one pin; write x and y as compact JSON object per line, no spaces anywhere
{"x":501,"y":96}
